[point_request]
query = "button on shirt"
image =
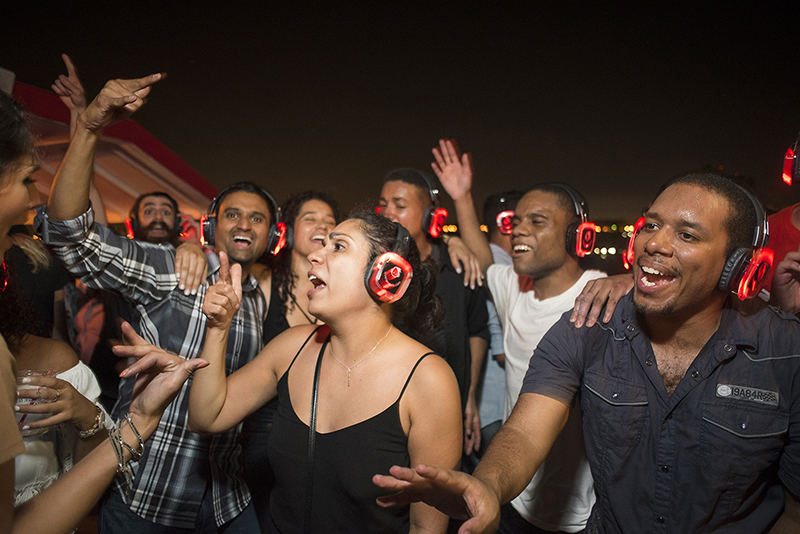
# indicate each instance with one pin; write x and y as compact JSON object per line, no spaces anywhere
{"x":714,"y":454}
{"x":177,"y":465}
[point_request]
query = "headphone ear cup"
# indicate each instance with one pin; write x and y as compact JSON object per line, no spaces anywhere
{"x":277,"y":238}
{"x":427,"y":219}
{"x":289,"y":237}
{"x":388,"y":277}
{"x":209,"y":223}
{"x":729,"y":279}
{"x":572,"y":238}
{"x":755,"y":273}
{"x":627,"y":256}
{"x":131,"y":227}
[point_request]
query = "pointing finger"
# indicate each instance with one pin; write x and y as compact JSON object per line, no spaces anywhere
{"x":224,"y":269}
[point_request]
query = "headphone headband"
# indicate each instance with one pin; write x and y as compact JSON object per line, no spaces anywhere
{"x":277,"y":229}
{"x":578,"y":202}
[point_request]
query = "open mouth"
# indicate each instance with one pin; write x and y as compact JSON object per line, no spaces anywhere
{"x":519,"y":249}
{"x":242,"y":241}
{"x":317,"y":282}
{"x":653,"y":278}
{"x":319,"y":239}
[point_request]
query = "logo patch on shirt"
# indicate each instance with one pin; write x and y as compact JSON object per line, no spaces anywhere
{"x":746,"y":393}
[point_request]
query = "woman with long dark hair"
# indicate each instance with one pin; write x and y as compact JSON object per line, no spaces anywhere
{"x":380,"y":398}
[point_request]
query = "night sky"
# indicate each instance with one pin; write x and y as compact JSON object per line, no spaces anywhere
{"x":331,"y":95}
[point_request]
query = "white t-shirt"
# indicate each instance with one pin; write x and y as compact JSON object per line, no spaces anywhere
{"x":566,"y":502}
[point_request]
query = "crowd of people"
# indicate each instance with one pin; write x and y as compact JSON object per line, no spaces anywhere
{"x":307,"y":372}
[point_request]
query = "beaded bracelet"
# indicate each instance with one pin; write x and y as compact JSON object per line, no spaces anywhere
{"x":119,"y":446}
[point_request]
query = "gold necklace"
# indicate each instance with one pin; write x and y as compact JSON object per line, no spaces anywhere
{"x":349,"y":368}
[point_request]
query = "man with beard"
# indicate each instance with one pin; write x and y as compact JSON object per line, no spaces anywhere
{"x":691,"y":410}
{"x":154,"y":219}
{"x":184,"y":482}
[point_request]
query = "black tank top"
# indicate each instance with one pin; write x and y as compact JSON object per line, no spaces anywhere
{"x":345,"y":462}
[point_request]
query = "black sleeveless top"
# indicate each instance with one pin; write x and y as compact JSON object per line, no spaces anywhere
{"x":344,"y":463}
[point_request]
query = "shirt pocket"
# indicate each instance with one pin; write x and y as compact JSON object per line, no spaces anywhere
{"x":742,"y":440}
{"x":615,"y":410}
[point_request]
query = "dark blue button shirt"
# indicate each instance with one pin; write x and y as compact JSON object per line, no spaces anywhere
{"x":712,"y":455}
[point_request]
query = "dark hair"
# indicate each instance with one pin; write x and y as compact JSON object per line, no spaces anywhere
{"x":134,"y":213}
{"x":420,"y":308}
{"x":497,"y":203}
{"x":16,"y":140}
{"x":16,"y":318}
{"x":416,"y":177}
{"x":247,"y":187}
{"x":564,"y":200}
{"x":741,"y":220}
{"x":281,"y":264}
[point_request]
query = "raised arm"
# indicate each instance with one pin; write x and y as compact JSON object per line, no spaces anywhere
{"x":69,"y":195}
{"x":455,"y":172}
{"x":70,"y":90}
{"x":211,"y":408}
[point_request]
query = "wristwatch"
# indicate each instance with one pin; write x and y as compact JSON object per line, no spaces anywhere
{"x":99,"y":422}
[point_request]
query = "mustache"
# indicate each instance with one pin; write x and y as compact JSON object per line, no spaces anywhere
{"x":156,"y":225}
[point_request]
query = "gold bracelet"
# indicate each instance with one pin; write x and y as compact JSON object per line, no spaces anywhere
{"x":99,"y":422}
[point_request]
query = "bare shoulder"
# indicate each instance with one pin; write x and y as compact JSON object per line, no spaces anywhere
{"x":433,"y":379}
{"x":45,"y":353}
{"x":280,"y":351}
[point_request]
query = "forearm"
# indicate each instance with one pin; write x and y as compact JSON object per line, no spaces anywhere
{"x":477,"y":349}
{"x":521,"y":445}
{"x":209,"y":388}
{"x":470,"y":230}
{"x":59,"y":507}
{"x":69,"y":195}
{"x":427,"y":520}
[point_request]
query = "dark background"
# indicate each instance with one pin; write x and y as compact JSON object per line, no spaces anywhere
{"x":614,"y":98}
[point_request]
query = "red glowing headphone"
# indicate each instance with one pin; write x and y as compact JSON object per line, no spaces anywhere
{"x":388,"y":277}
{"x":791,"y":170}
{"x":580,"y":237}
{"x":434,"y":218}
{"x":746,"y":269}
{"x":504,"y":221}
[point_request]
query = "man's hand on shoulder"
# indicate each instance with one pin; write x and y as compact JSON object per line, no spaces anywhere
{"x":598,"y":293}
{"x":191,"y":267}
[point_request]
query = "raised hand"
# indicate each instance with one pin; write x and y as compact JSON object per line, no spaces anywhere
{"x":452,"y":168}
{"x":118,"y":100}
{"x":69,"y":88}
{"x":223,"y":298}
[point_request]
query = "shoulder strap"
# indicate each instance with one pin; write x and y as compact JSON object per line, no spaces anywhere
{"x":312,"y":434}
{"x":412,"y":373}
{"x":303,"y":346}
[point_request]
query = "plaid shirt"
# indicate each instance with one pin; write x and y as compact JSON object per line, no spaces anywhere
{"x":177,"y":465}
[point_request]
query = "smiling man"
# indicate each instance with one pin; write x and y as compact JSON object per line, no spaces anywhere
{"x":184,"y":482}
{"x":530,"y":296}
{"x":691,"y":410}
{"x":154,"y":219}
